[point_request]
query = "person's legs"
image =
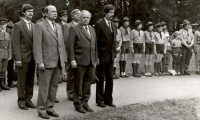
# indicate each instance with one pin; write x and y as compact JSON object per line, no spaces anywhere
{"x":187,"y":60}
{"x":43,"y":92}
{"x":30,"y":80}
{"x":78,"y":85}
{"x":10,"y":72}
{"x":70,"y":82}
{"x":87,"y":85}
{"x":100,"y":83}
{"x":21,"y":83}
{"x":184,"y":51}
{"x":53,"y":87}
{"x":108,"y":99}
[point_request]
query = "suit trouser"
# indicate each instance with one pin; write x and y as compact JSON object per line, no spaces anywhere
{"x":48,"y":86}
{"x":3,"y":67}
{"x":186,"y":56}
{"x":82,"y":83}
{"x":25,"y":82}
{"x":10,"y":76}
{"x":104,"y":72}
{"x":70,"y":82}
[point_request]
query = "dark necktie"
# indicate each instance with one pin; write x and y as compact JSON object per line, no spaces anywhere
{"x":160,"y":35}
{"x":109,"y":25}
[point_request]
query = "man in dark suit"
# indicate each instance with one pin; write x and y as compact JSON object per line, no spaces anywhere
{"x":82,"y":46}
{"x":106,"y":36}
{"x":75,"y":14}
{"x":22,"y":39}
{"x":50,"y":56}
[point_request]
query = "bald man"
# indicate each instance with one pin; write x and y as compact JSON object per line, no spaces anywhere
{"x":83,"y":57}
{"x":50,"y":56}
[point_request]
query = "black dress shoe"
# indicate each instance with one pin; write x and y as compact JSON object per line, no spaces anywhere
{"x":88,"y":109}
{"x":111,"y":105}
{"x":23,"y":107}
{"x":44,"y":116}
{"x":56,"y":100}
{"x":101,"y":104}
{"x":187,"y":72}
{"x":53,"y":114}
{"x":30,"y":104}
{"x":81,"y":110}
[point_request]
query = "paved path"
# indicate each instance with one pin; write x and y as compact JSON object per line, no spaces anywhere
{"x":126,"y":91}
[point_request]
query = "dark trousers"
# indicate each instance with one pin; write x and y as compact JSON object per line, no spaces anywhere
{"x":10,"y":70}
{"x":48,"y":86}
{"x":3,"y":67}
{"x":70,"y":81}
{"x":104,"y":72}
{"x":82,"y":83}
{"x":25,"y":81}
{"x":186,"y":56}
{"x":165,"y":61}
{"x":177,"y":55}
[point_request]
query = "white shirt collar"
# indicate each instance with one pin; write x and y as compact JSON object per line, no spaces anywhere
{"x":75,"y":23}
{"x":26,"y":21}
{"x":50,"y":22}
{"x":106,"y":21}
{"x":64,"y":23}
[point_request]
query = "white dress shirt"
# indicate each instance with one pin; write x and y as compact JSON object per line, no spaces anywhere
{"x":28,"y":24}
{"x":51,"y":24}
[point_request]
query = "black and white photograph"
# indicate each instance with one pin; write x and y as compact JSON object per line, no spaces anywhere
{"x":100,"y":59}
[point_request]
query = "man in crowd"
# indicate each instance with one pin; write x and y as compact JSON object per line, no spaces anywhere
{"x":63,"y":16}
{"x":106,"y":32}
{"x":187,"y":43}
{"x":75,"y":14}
{"x":22,"y":41}
{"x":5,"y":52}
{"x":50,"y":56}
{"x":82,"y":46}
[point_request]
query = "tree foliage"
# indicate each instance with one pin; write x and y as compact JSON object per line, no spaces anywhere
{"x":170,"y":11}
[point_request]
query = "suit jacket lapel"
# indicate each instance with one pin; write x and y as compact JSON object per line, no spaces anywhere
{"x":49,"y":28}
{"x":84,"y":31}
{"x":26,"y":28}
{"x":106,"y":26}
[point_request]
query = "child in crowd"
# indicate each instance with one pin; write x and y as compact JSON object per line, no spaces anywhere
{"x":176,"y":45}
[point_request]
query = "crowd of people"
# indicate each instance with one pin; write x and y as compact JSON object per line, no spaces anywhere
{"x":78,"y":53}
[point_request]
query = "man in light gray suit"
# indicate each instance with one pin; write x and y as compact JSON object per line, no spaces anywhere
{"x":50,"y":56}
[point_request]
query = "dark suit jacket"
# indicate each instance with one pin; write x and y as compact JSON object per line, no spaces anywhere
{"x":66,"y":33}
{"x":22,"y":42}
{"x":48,"y":46}
{"x":82,"y":48}
{"x":106,"y":41}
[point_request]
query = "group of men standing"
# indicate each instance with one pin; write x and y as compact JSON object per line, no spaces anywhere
{"x":79,"y":49}
{"x":53,"y":49}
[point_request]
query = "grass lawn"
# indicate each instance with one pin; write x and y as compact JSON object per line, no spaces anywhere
{"x":163,"y":110}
